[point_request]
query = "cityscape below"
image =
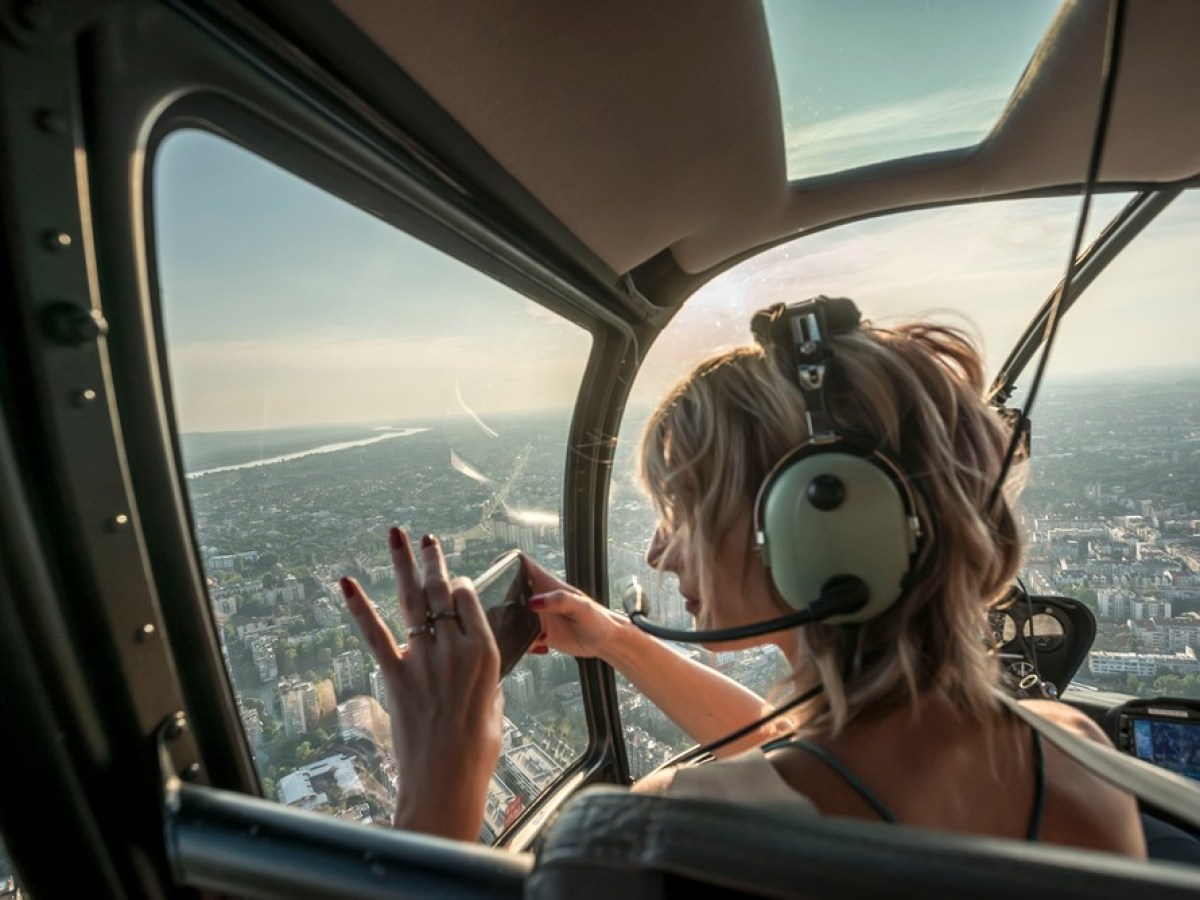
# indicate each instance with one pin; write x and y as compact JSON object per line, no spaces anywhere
{"x":1111,"y":514}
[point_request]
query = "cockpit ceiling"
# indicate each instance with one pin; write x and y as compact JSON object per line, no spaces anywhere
{"x":645,"y":127}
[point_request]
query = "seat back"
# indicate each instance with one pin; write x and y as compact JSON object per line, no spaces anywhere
{"x":607,"y":842}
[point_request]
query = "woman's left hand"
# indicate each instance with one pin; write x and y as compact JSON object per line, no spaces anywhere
{"x":443,"y":689}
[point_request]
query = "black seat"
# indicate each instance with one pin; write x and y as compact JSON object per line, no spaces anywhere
{"x":607,"y":842}
{"x":1167,"y":841}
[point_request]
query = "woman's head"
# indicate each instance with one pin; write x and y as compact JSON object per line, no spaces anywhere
{"x":914,"y":391}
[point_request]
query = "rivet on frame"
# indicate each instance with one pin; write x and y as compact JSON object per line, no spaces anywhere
{"x":56,"y":240}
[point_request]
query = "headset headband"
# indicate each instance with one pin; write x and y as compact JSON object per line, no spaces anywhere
{"x":797,"y":336}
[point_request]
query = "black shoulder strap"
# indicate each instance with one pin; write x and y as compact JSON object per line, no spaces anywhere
{"x":1171,"y":793}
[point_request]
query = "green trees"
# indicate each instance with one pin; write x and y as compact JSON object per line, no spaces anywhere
{"x":1177,"y":686}
{"x":287,"y":660}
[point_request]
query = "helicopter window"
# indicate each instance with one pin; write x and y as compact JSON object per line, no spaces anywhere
{"x":1113,"y":504}
{"x":333,"y":376}
{"x":952,"y":68}
{"x":985,"y":266}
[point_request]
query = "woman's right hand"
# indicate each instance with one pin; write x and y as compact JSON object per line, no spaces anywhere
{"x":572,"y":622}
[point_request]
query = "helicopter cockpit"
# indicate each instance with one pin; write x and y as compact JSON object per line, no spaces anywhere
{"x":280,"y":276}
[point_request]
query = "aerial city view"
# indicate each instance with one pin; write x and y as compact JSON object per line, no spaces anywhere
{"x":1111,"y":515}
{"x":280,"y":517}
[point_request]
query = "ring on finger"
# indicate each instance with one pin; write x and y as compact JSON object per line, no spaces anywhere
{"x":427,"y":628}
{"x":432,"y":617}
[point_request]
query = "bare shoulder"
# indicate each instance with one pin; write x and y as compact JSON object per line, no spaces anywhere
{"x":1069,"y":718}
{"x":1083,"y":810}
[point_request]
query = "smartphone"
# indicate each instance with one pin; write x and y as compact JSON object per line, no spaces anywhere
{"x":504,"y":592}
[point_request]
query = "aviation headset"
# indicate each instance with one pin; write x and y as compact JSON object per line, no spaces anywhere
{"x":835,"y":521}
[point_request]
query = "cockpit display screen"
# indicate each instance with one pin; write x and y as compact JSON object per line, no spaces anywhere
{"x":1172,"y":745}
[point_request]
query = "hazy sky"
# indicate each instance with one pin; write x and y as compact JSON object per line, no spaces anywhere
{"x":862,"y":81}
{"x":285,"y":306}
{"x":986,"y":267}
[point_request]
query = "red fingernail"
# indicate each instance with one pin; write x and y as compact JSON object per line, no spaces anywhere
{"x":396,"y":538}
{"x":427,"y":541}
{"x":540,"y":651}
{"x":541,"y":636}
{"x":347,"y":586}
{"x":537,"y":602}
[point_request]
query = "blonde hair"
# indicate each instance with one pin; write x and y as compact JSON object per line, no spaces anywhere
{"x":917,"y":391}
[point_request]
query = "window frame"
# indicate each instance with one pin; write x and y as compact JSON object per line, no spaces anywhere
{"x":151,"y":69}
{"x":1111,"y":239}
{"x":406,"y":208}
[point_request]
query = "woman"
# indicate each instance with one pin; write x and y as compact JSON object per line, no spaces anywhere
{"x":908,"y":727}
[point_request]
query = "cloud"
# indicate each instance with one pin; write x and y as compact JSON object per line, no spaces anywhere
{"x":956,"y":117}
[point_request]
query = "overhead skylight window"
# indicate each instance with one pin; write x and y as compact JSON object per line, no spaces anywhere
{"x":865,"y":81}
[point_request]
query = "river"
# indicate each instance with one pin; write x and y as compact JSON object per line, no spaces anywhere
{"x":324,"y":448}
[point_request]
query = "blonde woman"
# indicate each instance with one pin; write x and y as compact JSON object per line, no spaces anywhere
{"x":907,"y":727}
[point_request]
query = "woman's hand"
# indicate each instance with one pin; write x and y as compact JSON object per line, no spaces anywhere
{"x":572,"y":622}
{"x":702,"y":701}
{"x":443,"y":689}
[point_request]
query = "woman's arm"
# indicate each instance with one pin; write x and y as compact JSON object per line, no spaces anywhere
{"x":704,"y":703}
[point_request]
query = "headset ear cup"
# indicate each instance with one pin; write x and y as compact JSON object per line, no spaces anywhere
{"x":826,"y":514}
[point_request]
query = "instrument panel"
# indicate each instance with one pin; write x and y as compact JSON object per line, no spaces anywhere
{"x":1041,"y":641}
{"x":1164,"y":731}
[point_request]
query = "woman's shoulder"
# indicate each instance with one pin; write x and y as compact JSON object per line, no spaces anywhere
{"x":1069,"y":718}
{"x":748,"y":777}
{"x":1082,"y":809}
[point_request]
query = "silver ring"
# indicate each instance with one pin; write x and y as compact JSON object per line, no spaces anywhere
{"x":432,"y":617}
{"x":421,"y":629}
